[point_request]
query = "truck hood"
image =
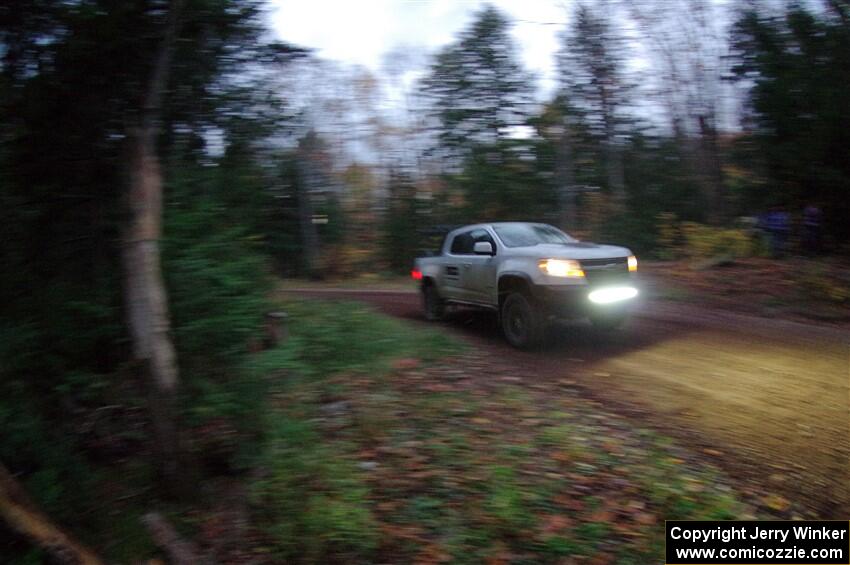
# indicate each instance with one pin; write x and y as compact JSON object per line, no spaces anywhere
{"x":578,"y":250}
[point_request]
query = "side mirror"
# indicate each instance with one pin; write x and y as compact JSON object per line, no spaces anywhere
{"x":483,"y":248}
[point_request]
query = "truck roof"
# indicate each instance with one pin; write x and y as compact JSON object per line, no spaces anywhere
{"x":497,"y":224}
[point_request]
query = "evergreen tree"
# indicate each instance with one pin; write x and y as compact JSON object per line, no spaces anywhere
{"x":77,"y":81}
{"x":798,"y":66}
{"x":593,"y":81}
{"x":477,"y":87}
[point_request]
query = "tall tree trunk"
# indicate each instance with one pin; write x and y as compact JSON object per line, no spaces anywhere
{"x":615,"y":174}
{"x":566,"y":180}
{"x":712,"y":171}
{"x":308,"y":154}
{"x":145,"y":294}
{"x":309,"y":234}
{"x":147,"y":300}
{"x":613,"y":155}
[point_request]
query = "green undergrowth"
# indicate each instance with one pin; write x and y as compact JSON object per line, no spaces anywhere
{"x":334,"y":336}
{"x":363,"y":438}
{"x":365,"y":459}
{"x":311,"y":497}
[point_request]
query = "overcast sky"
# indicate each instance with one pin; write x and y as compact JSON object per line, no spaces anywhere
{"x":361,"y":32}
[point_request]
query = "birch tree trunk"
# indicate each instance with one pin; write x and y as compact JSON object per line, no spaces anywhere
{"x":145,"y":294}
{"x":147,"y":300}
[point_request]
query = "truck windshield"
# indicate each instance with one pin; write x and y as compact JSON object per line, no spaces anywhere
{"x":527,"y":235}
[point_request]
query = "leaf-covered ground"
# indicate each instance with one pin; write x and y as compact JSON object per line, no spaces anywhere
{"x":387,"y":453}
{"x":469,"y":463}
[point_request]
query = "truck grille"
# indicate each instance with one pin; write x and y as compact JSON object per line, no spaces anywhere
{"x":605,"y":271}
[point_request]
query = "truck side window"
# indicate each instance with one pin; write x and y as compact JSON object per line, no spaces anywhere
{"x":462,"y":244}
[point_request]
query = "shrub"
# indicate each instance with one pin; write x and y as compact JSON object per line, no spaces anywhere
{"x":216,"y":276}
{"x":697,"y":241}
{"x":634,"y":231}
{"x":816,"y":283}
{"x":217,"y":287}
{"x":669,"y":240}
{"x":705,"y":241}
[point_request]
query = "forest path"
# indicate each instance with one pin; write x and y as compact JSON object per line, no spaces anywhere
{"x":767,"y":400}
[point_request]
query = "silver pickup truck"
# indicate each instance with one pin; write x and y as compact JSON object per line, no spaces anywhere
{"x":530,"y":274}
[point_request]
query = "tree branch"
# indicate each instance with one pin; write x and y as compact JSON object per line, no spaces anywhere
{"x":21,"y":514}
{"x":180,"y":552}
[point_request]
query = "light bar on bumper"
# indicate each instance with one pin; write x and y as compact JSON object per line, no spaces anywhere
{"x":612,"y":294}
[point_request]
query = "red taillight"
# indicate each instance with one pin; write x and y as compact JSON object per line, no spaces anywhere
{"x":416,"y":274}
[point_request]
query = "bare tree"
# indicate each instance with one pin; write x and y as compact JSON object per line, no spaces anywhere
{"x":408,"y":124}
{"x":686,"y":39}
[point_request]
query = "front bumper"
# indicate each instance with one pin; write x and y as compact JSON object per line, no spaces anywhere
{"x":574,"y":301}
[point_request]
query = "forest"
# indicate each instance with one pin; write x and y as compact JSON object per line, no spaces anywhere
{"x":164,"y":163}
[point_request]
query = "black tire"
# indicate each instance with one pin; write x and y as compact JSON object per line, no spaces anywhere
{"x":434,"y":306}
{"x":609,"y":321}
{"x":521,"y":321}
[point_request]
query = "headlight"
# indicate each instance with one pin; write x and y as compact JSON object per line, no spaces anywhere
{"x":632,"y":261}
{"x":561,"y":267}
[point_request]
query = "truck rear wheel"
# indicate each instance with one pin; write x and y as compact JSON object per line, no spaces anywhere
{"x":522,"y":323}
{"x":434,"y":306}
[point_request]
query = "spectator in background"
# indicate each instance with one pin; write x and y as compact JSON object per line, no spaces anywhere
{"x":778,"y":225}
{"x":811,"y":229}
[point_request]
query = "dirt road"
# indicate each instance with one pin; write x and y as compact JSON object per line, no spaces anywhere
{"x":768,"y":401}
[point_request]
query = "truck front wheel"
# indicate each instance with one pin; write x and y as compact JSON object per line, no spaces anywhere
{"x":521,"y":321}
{"x":434,"y":306}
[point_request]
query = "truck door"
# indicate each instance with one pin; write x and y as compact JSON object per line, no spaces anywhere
{"x":455,"y":269}
{"x":480,"y":271}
